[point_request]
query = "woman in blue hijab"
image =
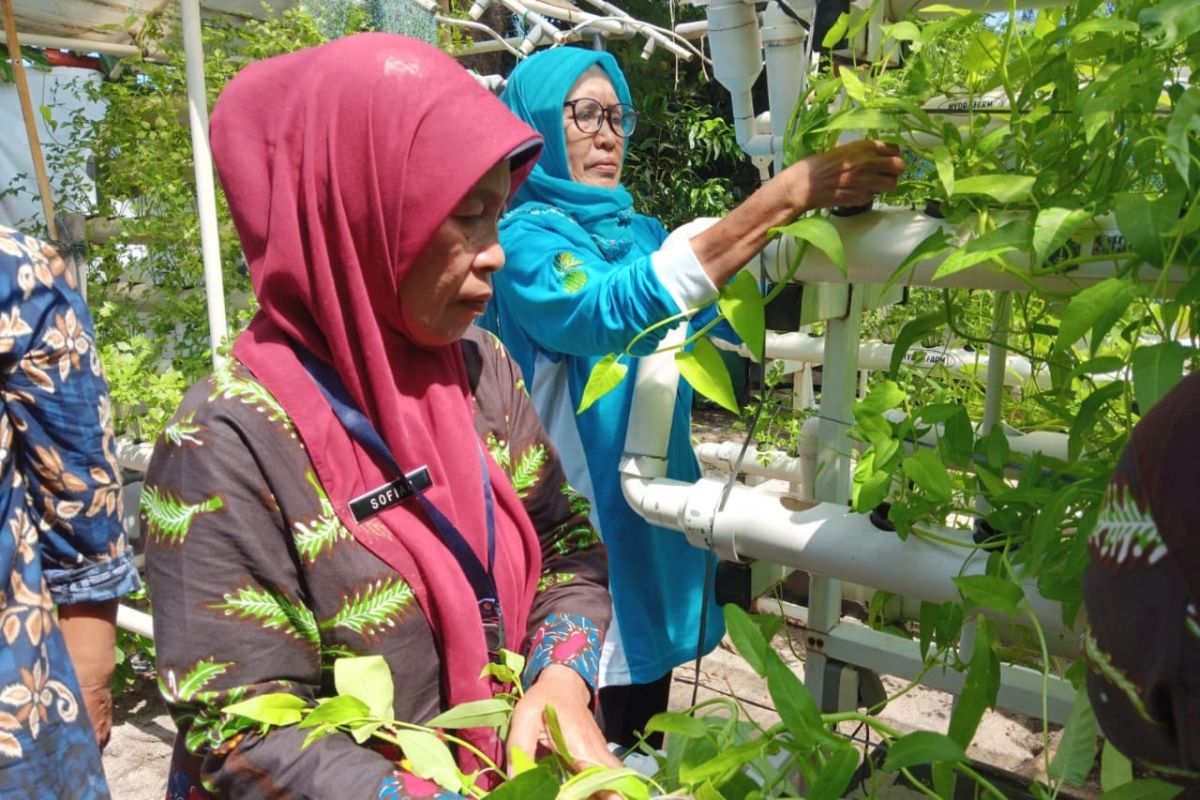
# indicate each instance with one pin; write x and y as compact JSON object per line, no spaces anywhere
{"x":585,"y":274}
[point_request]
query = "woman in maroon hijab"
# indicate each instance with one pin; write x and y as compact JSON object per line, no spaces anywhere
{"x":339,"y":486}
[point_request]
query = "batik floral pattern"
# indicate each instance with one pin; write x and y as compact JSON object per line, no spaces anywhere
{"x":61,"y":538}
{"x":404,"y":786}
{"x":568,"y":639}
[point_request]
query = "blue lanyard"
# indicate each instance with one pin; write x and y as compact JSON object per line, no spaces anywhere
{"x":358,"y":426}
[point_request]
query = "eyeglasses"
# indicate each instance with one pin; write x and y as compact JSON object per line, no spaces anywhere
{"x":589,"y":116}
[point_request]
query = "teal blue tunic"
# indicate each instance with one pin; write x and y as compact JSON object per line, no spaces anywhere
{"x":579,"y":284}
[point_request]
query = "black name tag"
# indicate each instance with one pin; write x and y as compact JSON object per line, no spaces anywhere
{"x":373,"y":502}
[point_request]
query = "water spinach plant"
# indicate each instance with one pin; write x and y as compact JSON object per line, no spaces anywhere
{"x":1073,"y":141}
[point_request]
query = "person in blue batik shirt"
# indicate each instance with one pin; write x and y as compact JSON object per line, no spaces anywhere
{"x":585,"y":275}
{"x":62,"y":544}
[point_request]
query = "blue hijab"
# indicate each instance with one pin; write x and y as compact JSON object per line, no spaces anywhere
{"x":536,"y":91}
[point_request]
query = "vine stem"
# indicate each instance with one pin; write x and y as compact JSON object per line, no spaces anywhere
{"x":1041,"y":636}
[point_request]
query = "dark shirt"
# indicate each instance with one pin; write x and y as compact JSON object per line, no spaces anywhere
{"x":257,"y":586}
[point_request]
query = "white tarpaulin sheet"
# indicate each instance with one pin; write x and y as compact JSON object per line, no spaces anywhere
{"x":60,"y":90}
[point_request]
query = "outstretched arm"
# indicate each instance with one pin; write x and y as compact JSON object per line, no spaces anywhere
{"x":849,"y":175}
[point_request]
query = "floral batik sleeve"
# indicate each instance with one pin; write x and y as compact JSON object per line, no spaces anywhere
{"x":572,"y":609}
{"x":60,"y":419}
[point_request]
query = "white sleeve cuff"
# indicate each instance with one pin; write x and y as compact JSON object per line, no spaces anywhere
{"x":678,"y":269}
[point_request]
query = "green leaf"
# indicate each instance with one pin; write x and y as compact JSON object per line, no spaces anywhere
{"x":943,"y":8}
{"x":278,"y":708}
{"x":927,"y":622}
{"x":627,"y":783}
{"x":903,"y":31}
{"x":607,"y":373}
{"x":862,"y":119}
{"x":1053,"y":228}
{"x":1185,"y":121}
{"x":1170,"y":22}
{"x":369,"y":678}
{"x":980,"y":688}
{"x":1101,"y":25}
{"x":931,"y":246}
{"x":794,"y":703}
{"x":514,"y":661}
{"x":1089,"y":411}
{"x":1143,"y":222}
{"x":883,"y":396}
{"x":746,"y":637}
{"x":983,"y":53}
{"x":705,"y":370}
{"x":1011,"y":236}
{"x":1098,"y":306}
{"x":913,"y":331}
{"x":854,"y":87}
{"x":430,"y":758}
{"x":837,"y":31}
{"x":991,"y":592}
{"x":1001,"y":188}
{"x":835,"y":776}
{"x":1077,"y":749}
{"x":957,"y":441}
{"x":556,"y":733}
{"x":1156,"y":370}
{"x":1115,"y":769}
{"x":489,"y":713}
{"x":922,"y":747}
{"x":338,"y":710}
{"x":537,"y":783}
{"x":925,"y":468}
{"x":727,"y":759}
{"x":945,"y":167}
{"x":821,"y":234}
{"x":677,"y":724}
{"x":871,"y":485}
{"x":1146,"y":789}
{"x":742,"y":304}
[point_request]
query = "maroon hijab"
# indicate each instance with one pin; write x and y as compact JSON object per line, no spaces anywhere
{"x":339,"y":163}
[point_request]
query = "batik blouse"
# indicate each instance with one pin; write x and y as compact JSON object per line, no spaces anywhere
{"x":60,"y":497}
{"x":1142,"y":594}
{"x":257,"y":587}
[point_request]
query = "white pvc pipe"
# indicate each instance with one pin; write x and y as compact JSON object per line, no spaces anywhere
{"x":736,"y":47}
{"x":133,"y":455}
{"x":1049,"y":443}
{"x":877,"y":356}
{"x":540,"y":23}
{"x":829,"y":539}
{"x":649,"y":432}
{"x":875,"y":242}
{"x":206,"y":195}
{"x":783,"y":46}
{"x":653,"y":37}
{"x":136,"y":621}
{"x":764,"y":463}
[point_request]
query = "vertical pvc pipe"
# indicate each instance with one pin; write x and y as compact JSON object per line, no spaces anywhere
{"x":206,"y":195}
{"x":997,"y":364}
{"x":736,"y":46}
{"x":783,"y":43}
{"x":839,"y":379}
